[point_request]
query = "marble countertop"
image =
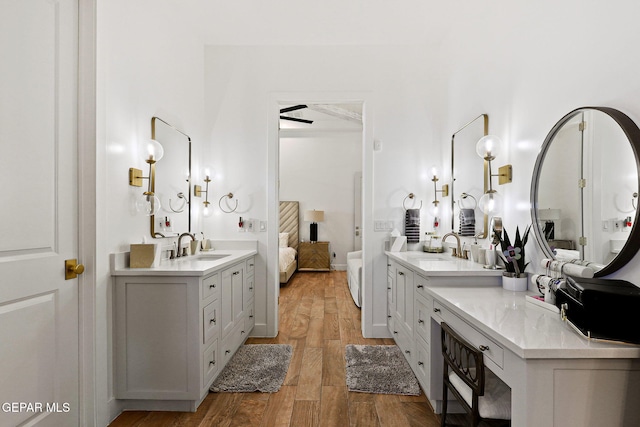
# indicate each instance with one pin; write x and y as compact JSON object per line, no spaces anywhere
{"x":527,"y":330}
{"x":200,"y":264}
{"x":442,"y":264}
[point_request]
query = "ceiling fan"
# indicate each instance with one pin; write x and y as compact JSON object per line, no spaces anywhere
{"x":294,"y":119}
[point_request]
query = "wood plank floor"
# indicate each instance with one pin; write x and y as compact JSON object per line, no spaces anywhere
{"x":318,"y":318}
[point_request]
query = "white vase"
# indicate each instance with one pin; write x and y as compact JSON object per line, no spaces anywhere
{"x":512,"y":283}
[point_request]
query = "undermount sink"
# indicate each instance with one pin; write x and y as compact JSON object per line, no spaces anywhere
{"x":427,"y":257}
{"x":212,"y":257}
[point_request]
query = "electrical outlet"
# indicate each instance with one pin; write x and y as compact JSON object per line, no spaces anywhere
{"x":249,"y":225}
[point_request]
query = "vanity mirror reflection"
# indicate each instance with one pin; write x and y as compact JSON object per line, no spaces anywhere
{"x":172,"y":180}
{"x":584,"y":189}
{"x":466,"y":169}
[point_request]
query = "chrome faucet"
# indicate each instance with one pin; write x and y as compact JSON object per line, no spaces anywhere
{"x":457,"y":252}
{"x":179,"y":254}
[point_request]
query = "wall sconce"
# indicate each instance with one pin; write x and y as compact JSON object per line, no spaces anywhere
{"x":197,"y":191}
{"x":488,"y":147}
{"x":314,"y":216}
{"x":148,"y":203}
{"x":444,"y":190}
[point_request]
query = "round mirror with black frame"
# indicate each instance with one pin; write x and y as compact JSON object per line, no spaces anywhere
{"x":584,"y":189}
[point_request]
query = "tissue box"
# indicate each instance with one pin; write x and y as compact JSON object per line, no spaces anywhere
{"x":398,"y":244}
{"x":144,"y":255}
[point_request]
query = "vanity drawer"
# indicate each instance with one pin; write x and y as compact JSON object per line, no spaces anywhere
{"x":250,"y":265}
{"x":250,"y":320}
{"x":210,"y":321}
{"x":232,"y":342}
{"x":423,"y":364}
{"x":489,"y":347}
{"x":210,"y":286}
{"x":210,"y":363}
{"x":391,"y":268}
{"x":249,"y":289}
{"x":422,"y":318}
{"x":390,"y":322}
{"x":405,"y":342}
{"x":422,"y":283}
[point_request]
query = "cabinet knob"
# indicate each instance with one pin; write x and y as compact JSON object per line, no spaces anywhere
{"x":241,"y":332}
{"x":213,"y":321}
{"x":227,"y":351}
{"x":420,"y":321}
{"x":420,"y":363}
{"x":420,"y":286}
{"x":251,"y":317}
{"x":389,"y":317}
{"x":212,"y":286}
{"x":212,"y":362}
{"x":235,"y":273}
{"x":407,"y":351}
{"x":250,"y":288}
{"x":395,"y":332}
{"x":484,"y":347}
{"x":401,"y":273}
{"x":436,"y":310}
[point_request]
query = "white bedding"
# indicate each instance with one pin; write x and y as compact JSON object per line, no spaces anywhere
{"x":287,"y":256}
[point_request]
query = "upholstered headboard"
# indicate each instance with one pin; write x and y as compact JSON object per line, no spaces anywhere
{"x":289,"y":222}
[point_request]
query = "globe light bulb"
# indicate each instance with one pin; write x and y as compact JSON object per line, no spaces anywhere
{"x":148,"y":204}
{"x":153,"y":150}
{"x":488,"y":147}
{"x":490,"y":203}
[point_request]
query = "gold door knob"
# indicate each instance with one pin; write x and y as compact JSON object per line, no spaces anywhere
{"x":72,"y":269}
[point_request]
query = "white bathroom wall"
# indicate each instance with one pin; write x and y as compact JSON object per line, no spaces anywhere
{"x":149,"y":64}
{"x":527,"y":67}
{"x":319,"y":173}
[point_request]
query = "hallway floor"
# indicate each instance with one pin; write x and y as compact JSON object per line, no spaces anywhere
{"x":318,"y":318}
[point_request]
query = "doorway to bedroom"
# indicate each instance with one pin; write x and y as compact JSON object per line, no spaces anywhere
{"x":320,"y":171}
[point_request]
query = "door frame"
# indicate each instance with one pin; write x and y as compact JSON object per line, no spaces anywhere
{"x":87,"y":227}
{"x":273,"y":196}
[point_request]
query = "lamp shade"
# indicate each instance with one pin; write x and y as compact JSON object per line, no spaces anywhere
{"x":314,"y":216}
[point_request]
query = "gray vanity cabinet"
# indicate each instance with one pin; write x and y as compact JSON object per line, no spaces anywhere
{"x":411,"y":309}
{"x":402,"y":310}
{"x":174,"y":334}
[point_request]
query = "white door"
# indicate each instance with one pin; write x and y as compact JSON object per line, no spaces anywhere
{"x":357,"y":209}
{"x":38,"y":212}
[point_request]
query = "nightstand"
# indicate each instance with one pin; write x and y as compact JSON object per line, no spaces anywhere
{"x":314,"y":256}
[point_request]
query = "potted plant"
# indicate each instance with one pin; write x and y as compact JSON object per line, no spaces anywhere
{"x":513,"y":257}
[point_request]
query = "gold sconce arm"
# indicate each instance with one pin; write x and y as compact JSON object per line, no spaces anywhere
{"x":444,"y":190}
{"x":197,"y":191}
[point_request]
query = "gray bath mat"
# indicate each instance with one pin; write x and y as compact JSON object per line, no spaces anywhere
{"x":255,"y":367}
{"x":379,"y":369}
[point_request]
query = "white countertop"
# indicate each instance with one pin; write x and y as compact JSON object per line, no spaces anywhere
{"x":200,"y":264}
{"x":525,"y":329}
{"x":442,"y":264}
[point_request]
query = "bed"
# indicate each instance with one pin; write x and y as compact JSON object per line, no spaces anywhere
{"x":288,"y":240}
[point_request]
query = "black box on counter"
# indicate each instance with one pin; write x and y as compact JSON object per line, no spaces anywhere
{"x":602,"y":308}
